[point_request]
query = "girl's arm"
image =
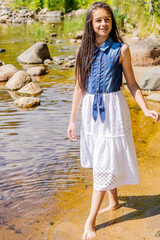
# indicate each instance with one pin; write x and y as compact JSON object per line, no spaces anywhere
{"x":125,"y":59}
{"x":76,"y":102}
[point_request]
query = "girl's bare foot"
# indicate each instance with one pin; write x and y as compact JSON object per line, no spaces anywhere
{"x":89,"y":231}
{"x":109,"y":208}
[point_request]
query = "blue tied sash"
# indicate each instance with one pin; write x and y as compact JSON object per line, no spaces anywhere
{"x":98,"y":102}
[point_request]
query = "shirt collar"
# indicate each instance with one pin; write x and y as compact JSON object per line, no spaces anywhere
{"x":105,"y":45}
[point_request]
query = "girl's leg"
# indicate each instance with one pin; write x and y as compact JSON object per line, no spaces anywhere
{"x":89,"y":229}
{"x":113,"y":201}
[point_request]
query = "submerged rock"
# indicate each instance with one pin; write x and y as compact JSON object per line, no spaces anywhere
{"x":36,"y":71}
{"x":7,"y":71}
{"x":68,"y":65}
{"x":72,"y":40}
{"x":58,"y":60}
{"x":151,"y":80}
{"x":58,"y":41}
{"x":27,"y":102}
{"x":2,"y":50}
{"x":48,"y":62}
{"x":53,"y":34}
{"x":18,"y":80}
{"x":30,"y":89}
{"x":154,"y":97}
{"x":35,"y":54}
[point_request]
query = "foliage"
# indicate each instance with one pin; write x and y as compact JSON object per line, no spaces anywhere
{"x":75,"y":24}
{"x":40,"y":32}
{"x":145,"y":14}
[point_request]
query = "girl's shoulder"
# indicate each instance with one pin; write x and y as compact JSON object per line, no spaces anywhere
{"x":125,"y":52}
{"x":125,"y":49}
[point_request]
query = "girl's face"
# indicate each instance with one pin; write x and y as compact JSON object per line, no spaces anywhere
{"x":102,"y":23}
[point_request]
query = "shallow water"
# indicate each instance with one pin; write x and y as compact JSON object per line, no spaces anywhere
{"x":37,"y":161}
{"x":36,"y":156}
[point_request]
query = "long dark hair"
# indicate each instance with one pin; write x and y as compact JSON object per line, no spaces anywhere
{"x":86,"y":50}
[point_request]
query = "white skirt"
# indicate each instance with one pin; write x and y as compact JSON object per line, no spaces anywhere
{"x":108,"y":147}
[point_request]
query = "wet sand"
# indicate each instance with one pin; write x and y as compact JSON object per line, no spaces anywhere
{"x":62,"y":217}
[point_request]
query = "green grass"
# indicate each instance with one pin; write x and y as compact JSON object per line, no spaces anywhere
{"x":75,"y":24}
{"x":40,"y":32}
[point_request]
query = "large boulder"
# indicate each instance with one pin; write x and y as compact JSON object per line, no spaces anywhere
{"x":35,"y":54}
{"x":151,"y":80}
{"x":30,"y":89}
{"x":146,"y":52}
{"x":154,"y":97}
{"x":36,"y":71}
{"x":18,"y":80}
{"x":7,"y":71}
{"x":80,"y":12}
{"x":27,"y":102}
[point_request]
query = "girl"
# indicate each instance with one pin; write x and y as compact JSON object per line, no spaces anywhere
{"x":106,"y":138}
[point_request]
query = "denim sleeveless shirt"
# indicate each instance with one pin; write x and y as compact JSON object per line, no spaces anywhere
{"x":105,"y":75}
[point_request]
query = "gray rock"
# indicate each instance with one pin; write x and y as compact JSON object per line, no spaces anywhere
{"x":65,"y":48}
{"x":2,"y":50}
{"x":58,"y":60}
{"x":18,"y":80}
{"x":35,"y":54}
{"x":68,"y":65}
{"x":151,"y":80}
{"x":154,"y":97}
{"x":72,"y":40}
{"x":27,"y":102}
{"x":79,"y":34}
{"x":53,"y":34}
{"x":71,"y":57}
{"x":36,"y":71}
{"x":17,"y":20}
{"x":58,"y":41}
{"x":48,"y":62}
{"x":30,"y":89}
{"x":146,"y":52}
{"x":4,"y":18}
{"x":80,"y":12}
{"x":43,"y":11}
{"x":7,"y":71}
{"x":53,"y":14}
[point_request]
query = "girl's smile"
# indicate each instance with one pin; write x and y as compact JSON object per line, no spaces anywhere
{"x":102,"y":24}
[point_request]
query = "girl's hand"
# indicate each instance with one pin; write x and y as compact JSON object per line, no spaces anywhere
{"x":71,"y":132}
{"x":153,"y":114}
